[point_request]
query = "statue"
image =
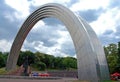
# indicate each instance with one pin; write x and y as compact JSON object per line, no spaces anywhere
{"x":25,"y":66}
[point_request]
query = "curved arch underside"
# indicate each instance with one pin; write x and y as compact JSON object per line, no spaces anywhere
{"x":92,"y":63}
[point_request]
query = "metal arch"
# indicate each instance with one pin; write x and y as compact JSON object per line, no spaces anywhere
{"x":91,"y":59}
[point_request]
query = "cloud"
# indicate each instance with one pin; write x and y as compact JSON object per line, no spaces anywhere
{"x":108,"y":32}
{"x":118,"y":30}
{"x":115,"y":3}
{"x":6,"y":12}
{"x":8,"y":30}
{"x":83,"y":5}
{"x":110,"y":36}
{"x":107,"y":20}
{"x":46,"y":32}
{"x":38,"y":2}
{"x":52,"y":21}
{"x":5,"y":45}
{"x":40,"y":24}
{"x":90,"y":15}
{"x":39,"y":46}
{"x":21,"y":7}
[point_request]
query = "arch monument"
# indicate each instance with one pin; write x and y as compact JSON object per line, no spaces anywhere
{"x":91,"y":60}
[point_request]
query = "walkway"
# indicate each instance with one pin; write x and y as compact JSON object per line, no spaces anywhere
{"x":33,"y":80}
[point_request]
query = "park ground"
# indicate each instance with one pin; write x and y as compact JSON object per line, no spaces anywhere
{"x":34,"y":80}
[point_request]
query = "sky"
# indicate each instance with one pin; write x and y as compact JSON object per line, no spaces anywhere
{"x":50,"y":35}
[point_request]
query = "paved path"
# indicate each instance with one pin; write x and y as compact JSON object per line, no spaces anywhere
{"x":28,"y":80}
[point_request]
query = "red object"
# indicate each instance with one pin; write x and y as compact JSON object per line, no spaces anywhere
{"x":44,"y":74}
{"x":115,"y":76}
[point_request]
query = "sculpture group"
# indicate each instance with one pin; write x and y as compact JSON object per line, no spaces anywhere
{"x":91,"y":59}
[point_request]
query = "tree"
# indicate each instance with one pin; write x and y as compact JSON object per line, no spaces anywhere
{"x":58,"y":64}
{"x":45,"y":58}
{"x":2,"y":61}
{"x":41,"y":61}
{"x":5,"y":56}
{"x":118,"y":58}
{"x":69,"y":62}
{"x":111,"y":54}
{"x":49,"y":60}
{"x":23,"y":55}
{"x":41,"y":66}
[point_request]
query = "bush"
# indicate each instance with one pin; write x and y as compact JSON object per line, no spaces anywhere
{"x":41,"y":66}
{"x":3,"y":71}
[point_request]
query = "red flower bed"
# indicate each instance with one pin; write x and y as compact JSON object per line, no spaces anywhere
{"x":115,"y":76}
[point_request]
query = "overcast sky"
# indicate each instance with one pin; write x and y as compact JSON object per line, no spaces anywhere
{"x":50,"y":35}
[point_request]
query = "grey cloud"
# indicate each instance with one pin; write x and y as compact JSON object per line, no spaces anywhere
{"x":114,"y":3}
{"x":52,"y":21}
{"x":109,"y":36}
{"x":117,"y":31}
{"x":105,"y":40}
{"x":72,"y":2}
{"x":90,"y":15}
{"x":32,"y":8}
{"x":31,"y":48}
{"x":55,"y":24}
{"x":8,"y":29}
{"x":68,"y":48}
{"x":117,"y":34}
{"x":45,"y":35}
{"x":42,"y":38}
{"x":108,"y":32}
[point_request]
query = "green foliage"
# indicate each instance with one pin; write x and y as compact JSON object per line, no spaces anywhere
{"x":112,"y":52}
{"x":41,"y":66}
{"x":2,"y":60}
{"x":23,"y":55}
{"x":69,"y":62}
{"x":42,"y":61}
{"x":5,"y":55}
{"x":3,"y":71}
{"x":58,"y":64}
{"x":52,"y":62}
{"x":118,"y":59}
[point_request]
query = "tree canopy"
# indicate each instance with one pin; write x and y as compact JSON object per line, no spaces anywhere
{"x":112,"y":52}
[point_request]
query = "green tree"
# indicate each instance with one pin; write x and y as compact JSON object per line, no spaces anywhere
{"x":23,"y":55}
{"x":111,"y":54}
{"x":69,"y":62}
{"x":58,"y":64}
{"x":118,"y":52}
{"x":49,"y":61}
{"x":41,"y":66}
{"x":5,"y":56}
{"x":2,"y":61}
{"x":45,"y":58}
{"x":118,"y":58}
